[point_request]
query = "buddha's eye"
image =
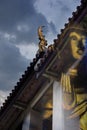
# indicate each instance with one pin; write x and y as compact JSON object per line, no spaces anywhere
{"x":74,"y":38}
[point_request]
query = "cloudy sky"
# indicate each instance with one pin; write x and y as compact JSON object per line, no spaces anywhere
{"x":19,"y":20}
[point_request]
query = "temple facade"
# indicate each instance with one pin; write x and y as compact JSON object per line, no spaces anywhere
{"x":52,"y":92}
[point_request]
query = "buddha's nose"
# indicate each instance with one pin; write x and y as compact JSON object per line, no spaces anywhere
{"x":81,"y":45}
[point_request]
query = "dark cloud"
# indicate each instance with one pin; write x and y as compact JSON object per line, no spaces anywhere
{"x":12,"y":12}
{"x":19,"y":13}
{"x":53,"y":28}
{"x":63,"y":6}
{"x":33,"y":23}
{"x":12,"y":65}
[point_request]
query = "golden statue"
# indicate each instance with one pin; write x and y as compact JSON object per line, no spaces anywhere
{"x":43,"y":41}
{"x":74,"y":87}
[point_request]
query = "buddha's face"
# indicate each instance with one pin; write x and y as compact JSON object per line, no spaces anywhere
{"x":77,"y":42}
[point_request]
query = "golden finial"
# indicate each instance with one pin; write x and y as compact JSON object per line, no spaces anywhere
{"x":43,"y":41}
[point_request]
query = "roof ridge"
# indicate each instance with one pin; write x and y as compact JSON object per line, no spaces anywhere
{"x":38,"y":56}
{"x":20,"y":82}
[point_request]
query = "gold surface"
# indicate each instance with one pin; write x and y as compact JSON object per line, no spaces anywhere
{"x":75,"y":39}
{"x":73,"y":100}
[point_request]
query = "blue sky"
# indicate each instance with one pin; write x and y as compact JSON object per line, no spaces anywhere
{"x":19,"y":20}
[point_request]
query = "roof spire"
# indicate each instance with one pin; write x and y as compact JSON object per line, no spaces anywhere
{"x":43,"y":41}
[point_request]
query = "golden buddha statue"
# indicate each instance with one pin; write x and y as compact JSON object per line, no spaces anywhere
{"x":74,"y":85}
